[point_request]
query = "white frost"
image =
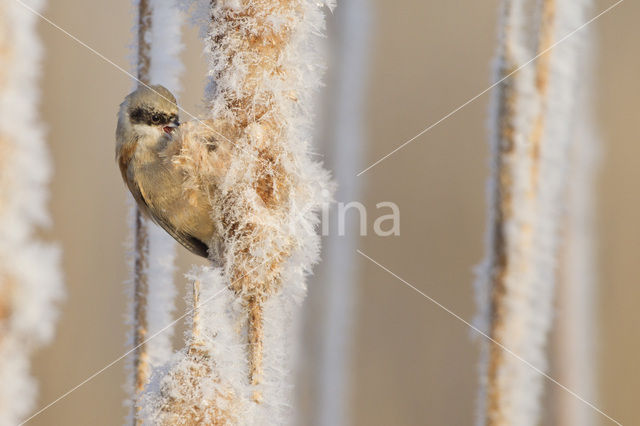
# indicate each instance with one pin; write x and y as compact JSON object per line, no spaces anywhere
{"x":165,"y":69}
{"x":531,"y":231}
{"x":30,"y":274}
{"x":263,"y":232}
{"x":576,"y":329}
{"x":345,"y":149}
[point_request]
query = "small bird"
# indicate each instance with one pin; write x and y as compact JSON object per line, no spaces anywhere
{"x":150,"y":154}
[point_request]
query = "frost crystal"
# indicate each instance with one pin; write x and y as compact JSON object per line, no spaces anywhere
{"x":30,"y":275}
{"x":532,"y":112}
{"x":264,"y":69}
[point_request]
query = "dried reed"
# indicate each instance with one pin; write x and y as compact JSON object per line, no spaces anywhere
{"x":532,"y":115}
{"x":250,"y":159}
{"x":141,"y":366}
{"x":30,"y":274}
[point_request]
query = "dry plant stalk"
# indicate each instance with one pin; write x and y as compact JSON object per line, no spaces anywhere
{"x":6,"y":152}
{"x":7,"y":295}
{"x":533,"y":109}
{"x":543,"y":69}
{"x":250,"y":159}
{"x":258,"y":117}
{"x":30,"y":275}
{"x":333,"y":304}
{"x":186,"y":398}
{"x":192,"y":391}
{"x":575,"y":328}
{"x":513,"y":256}
{"x":508,"y":165}
{"x":141,"y":367}
{"x":140,"y":291}
{"x":157,"y":30}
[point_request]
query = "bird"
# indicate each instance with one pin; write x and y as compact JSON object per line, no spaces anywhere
{"x":150,"y":152}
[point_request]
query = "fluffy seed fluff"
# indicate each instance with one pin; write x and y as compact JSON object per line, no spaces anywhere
{"x":265,"y":193}
{"x":30,"y":273}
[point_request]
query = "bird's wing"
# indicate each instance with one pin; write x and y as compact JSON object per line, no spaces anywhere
{"x":190,"y":242}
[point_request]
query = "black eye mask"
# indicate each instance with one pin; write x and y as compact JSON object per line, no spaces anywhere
{"x":142,"y":115}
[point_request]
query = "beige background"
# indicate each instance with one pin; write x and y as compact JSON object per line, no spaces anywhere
{"x":414,"y":364}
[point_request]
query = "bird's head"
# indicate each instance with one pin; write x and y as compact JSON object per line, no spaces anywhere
{"x":147,"y":114}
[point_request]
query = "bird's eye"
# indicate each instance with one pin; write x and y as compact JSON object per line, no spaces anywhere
{"x":155,"y":118}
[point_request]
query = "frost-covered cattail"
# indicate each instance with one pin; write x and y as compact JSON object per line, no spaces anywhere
{"x":530,"y":142}
{"x":203,"y":383}
{"x":575,"y":330}
{"x":30,"y":275}
{"x":157,"y":49}
{"x":165,"y":68}
{"x":264,"y":69}
{"x":344,"y":149}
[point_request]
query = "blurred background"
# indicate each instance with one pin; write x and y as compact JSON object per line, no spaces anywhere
{"x":412,"y":363}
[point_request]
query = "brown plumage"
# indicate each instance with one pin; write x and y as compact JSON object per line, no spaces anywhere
{"x":158,"y":159}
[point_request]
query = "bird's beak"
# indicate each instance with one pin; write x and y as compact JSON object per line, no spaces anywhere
{"x":171,"y":126}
